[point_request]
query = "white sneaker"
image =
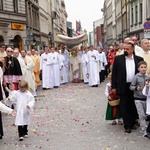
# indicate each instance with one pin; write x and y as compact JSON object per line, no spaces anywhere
{"x":26,"y":136}
{"x":20,"y":138}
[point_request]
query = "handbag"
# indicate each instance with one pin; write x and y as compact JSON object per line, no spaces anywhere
{"x":114,"y":102}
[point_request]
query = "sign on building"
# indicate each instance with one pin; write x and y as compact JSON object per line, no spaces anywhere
{"x":147,"y":34}
{"x":17,"y":26}
{"x":146,"y":26}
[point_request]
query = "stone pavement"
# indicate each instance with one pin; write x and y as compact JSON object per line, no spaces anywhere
{"x":71,"y":117}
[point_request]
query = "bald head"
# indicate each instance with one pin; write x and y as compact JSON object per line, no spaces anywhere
{"x":126,"y":40}
{"x":145,"y":44}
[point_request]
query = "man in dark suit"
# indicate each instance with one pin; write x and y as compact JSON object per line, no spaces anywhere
{"x":124,"y":69}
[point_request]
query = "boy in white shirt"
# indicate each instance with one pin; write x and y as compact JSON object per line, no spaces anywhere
{"x":24,"y":101}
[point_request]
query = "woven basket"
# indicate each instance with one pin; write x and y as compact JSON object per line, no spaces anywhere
{"x":114,"y":102}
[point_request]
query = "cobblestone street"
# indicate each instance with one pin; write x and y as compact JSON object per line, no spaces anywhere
{"x":71,"y":117}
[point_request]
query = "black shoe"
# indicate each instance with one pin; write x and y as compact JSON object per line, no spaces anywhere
{"x":147,"y":135}
{"x":44,"y":88}
{"x":95,"y":85}
{"x":21,"y":138}
{"x":128,"y":130}
{"x":55,"y":86}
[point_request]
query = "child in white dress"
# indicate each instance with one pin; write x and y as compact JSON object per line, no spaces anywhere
{"x":146,"y":92}
{"x":24,"y":101}
{"x":11,"y":92}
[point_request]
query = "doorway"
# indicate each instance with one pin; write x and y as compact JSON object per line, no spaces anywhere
{"x":17,"y":42}
{"x":1,"y":40}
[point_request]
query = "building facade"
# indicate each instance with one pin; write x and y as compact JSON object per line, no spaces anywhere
{"x":13,"y":23}
{"x":109,"y":24}
{"x":69,"y":29}
{"x":97,"y":31}
{"x":33,"y":39}
{"x":91,"y":38}
{"x":127,"y":20}
{"x":118,"y":12}
{"x":59,"y":19}
{"x":137,"y":17}
{"x":45,"y":20}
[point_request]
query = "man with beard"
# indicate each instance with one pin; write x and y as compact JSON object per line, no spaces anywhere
{"x":124,"y":69}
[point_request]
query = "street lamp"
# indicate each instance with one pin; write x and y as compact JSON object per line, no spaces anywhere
{"x":50,"y":38}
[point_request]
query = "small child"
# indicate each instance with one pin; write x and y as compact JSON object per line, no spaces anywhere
{"x":11,"y":95}
{"x":146,"y":92}
{"x":112,"y":112}
{"x":24,"y":101}
{"x":137,"y":86}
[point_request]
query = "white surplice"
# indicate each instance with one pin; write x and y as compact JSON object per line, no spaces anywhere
{"x":93,"y":67}
{"x":45,"y":71}
{"x":75,"y":66}
{"x":54,"y":61}
{"x":85,"y":69}
{"x":67,"y":64}
{"x":146,"y":92}
{"x":28,"y":75}
{"x":5,"y":109}
{"x":63,"y":73}
{"x":22,"y":64}
{"x":103,"y":60}
{"x":22,"y":99}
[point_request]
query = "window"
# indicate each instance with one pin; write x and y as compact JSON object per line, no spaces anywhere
{"x":141,"y":13}
{"x":136,"y":15}
{"x":15,"y":3}
{"x":1,"y":4}
{"x":132,"y":17}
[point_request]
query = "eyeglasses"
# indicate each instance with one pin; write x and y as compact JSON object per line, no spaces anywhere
{"x":131,"y":44}
{"x":9,"y":51}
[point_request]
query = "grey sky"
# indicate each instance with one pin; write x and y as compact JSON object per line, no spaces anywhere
{"x":86,"y":11}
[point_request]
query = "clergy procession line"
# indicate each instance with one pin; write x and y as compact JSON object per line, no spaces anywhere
{"x":23,"y":71}
{"x":127,"y":64}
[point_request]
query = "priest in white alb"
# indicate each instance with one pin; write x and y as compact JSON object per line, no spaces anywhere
{"x":45,"y":69}
{"x":29,"y":71}
{"x":93,"y":58}
{"x":53,"y":60}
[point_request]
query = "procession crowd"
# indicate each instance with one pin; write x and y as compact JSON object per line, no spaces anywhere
{"x":23,"y":71}
{"x":127,"y":66}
